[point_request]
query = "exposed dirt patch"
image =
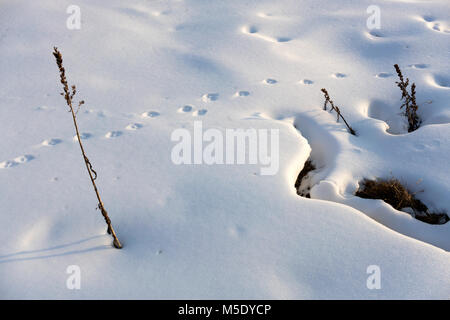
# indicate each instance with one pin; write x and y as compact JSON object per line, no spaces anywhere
{"x":302,"y":184}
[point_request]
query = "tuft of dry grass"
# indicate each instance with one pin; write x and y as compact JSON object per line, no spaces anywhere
{"x":336,"y":109}
{"x":409,"y":101}
{"x":68,"y":96}
{"x":394,"y":193}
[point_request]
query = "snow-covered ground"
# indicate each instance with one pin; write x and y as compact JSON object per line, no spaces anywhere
{"x":221,"y":231}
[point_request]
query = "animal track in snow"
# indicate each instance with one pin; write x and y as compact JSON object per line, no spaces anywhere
{"x":427,"y":18}
{"x":185,"y":109}
{"x":196,"y":113}
{"x":435,"y":25}
{"x":83,"y":136}
{"x":16,"y":161}
{"x":339,"y":75}
{"x":306,"y":81}
{"x":283,"y":39}
{"x":150,"y":114}
{"x":51,"y":142}
{"x":383,"y":75}
{"x":200,"y":112}
{"x":134,"y":126}
{"x":208,"y":97}
{"x":270,"y":81}
{"x":7,"y":164}
{"x":418,"y":66}
{"x":438,"y":27}
{"x":113,"y":134}
{"x":242,"y":94}
{"x":24,"y":158}
{"x":375,"y":34}
{"x":257,"y":116}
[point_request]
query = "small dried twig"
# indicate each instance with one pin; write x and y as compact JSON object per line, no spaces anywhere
{"x":68,"y":96}
{"x":409,"y":102}
{"x":335,"y":108}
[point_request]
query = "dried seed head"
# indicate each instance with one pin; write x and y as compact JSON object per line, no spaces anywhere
{"x":335,"y":108}
{"x":409,"y":100}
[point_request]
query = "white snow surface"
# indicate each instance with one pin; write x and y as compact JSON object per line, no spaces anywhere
{"x":221,"y":231}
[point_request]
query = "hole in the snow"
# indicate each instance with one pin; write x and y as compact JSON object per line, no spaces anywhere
{"x":303,"y":183}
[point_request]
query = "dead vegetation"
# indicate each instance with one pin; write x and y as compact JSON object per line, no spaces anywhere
{"x":409,"y":101}
{"x":68,"y":96}
{"x":336,"y":109}
{"x":394,"y":193}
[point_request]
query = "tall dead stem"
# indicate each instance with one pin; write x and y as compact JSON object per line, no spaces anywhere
{"x":68,"y":95}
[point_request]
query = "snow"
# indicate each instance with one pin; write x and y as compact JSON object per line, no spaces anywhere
{"x":147,"y":68}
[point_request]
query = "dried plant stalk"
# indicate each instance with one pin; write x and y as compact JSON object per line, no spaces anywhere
{"x":335,"y":108}
{"x":68,"y":96}
{"x":409,"y":103}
